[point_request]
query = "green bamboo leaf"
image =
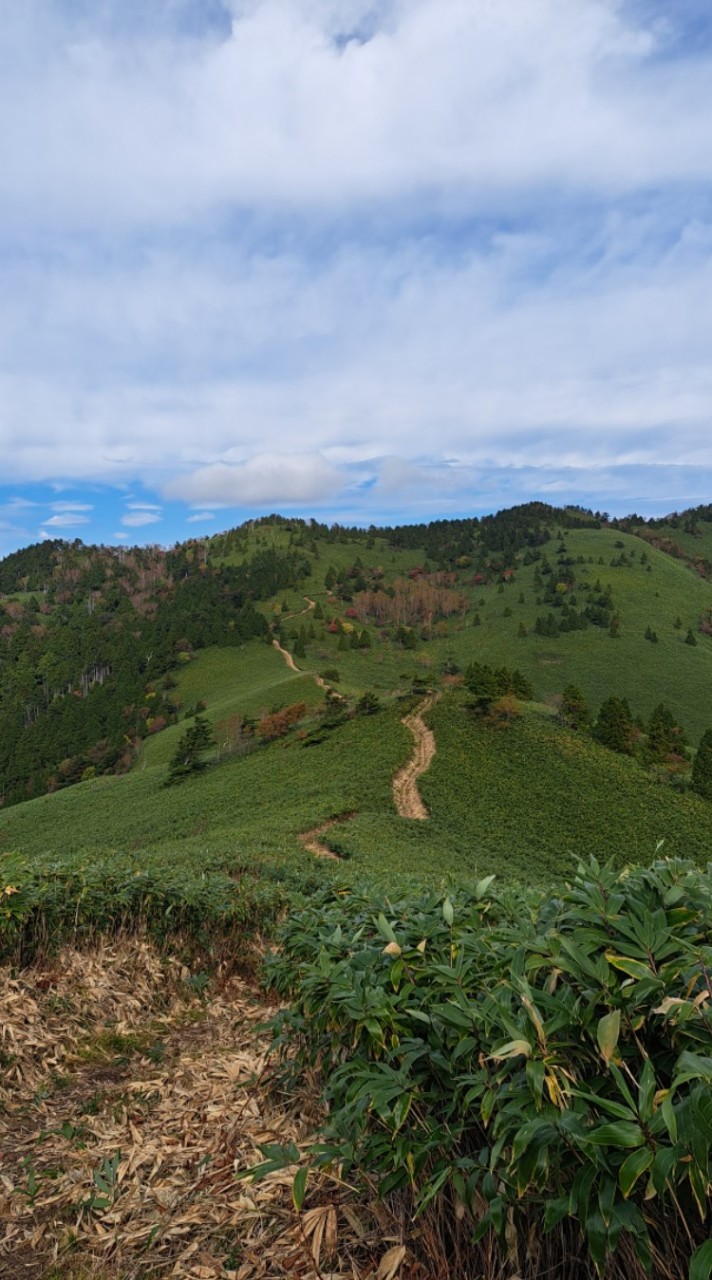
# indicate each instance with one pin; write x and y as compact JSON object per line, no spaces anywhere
{"x":701,"y":1262}
{"x":448,"y":912}
{"x":620,"y":1134}
{"x":607,"y":1033}
{"x":482,"y":886}
{"x":633,"y":1167}
{"x":299,"y":1187}
{"x":634,"y":968}
{"x":385,"y":929}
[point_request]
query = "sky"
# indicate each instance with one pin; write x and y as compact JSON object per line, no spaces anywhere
{"x":371,"y":261}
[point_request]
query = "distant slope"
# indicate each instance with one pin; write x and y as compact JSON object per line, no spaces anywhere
{"x":520,"y":802}
{"x":523,"y":802}
{"x":88,"y":656}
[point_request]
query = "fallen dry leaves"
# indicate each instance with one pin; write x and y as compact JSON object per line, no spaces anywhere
{"x":126,"y":1162}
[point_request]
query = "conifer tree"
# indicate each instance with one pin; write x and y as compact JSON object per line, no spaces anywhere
{"x":189,"y":754}
{"x":613,"y":728}
{"x":702,"y":767}
{"x":574,"y":713}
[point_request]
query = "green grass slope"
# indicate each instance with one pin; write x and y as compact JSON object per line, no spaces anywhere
{"x":650,"y":590}
{"x":248,"y":681}
{"x":523,"y":802}
{"x":243,"y":811}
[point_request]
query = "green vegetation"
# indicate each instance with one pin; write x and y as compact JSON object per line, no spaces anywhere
{"x":506,"y":1059}
{"x":526,"y":1062}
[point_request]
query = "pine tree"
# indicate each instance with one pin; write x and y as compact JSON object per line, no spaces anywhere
{"x":689,"y":638}
{"x":664,"y":736}
{"x":574,"y":713}
{"x":613,"y":728}
{"x":189,"y":754}
{"x":701,"y":777}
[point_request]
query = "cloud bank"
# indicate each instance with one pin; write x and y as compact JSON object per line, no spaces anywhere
{"x":354,"y":257}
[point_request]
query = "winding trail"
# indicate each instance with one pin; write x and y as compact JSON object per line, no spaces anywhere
{"x":406,"y":796}
{"x":405,"y":784}
{"x":318,"y":680}
{"x":286,"y":655}
{"x":311,"y":841}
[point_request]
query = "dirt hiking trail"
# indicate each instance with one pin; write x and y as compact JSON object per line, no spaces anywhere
{"x":286,"y":655}
{"x":311,"y":841}
{"x":405,"y":784}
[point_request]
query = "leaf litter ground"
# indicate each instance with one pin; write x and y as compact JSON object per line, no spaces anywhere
{"x":128,"y":1105}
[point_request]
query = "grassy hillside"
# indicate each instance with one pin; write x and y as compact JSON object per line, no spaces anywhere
{"x":518,"y":803}
{"x":524,"y":802}
{"x":649,"y":590}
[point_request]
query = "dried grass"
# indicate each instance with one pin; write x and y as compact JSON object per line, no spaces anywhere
{"x":182,"y":1128}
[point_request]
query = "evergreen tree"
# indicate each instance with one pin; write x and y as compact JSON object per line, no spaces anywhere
{"x":689,"y":638}
{"x":664,"y":735}
{"x":189,"y":755}
{"x":574,"y":713}
{"x":613,"y":728}
{"x":702,"y":767}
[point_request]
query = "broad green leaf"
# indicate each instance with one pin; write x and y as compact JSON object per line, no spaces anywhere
{"x":448,"y":912}
{"x":607,"y":1034}
{"x":620,"y":1134}
{"x":482,"y":886}
{"x":606,"y":1104}
{"x":299,"y":1187}
{"x":633,"y":1167}
{"x":597,"y":1238}
{"x":385,"y":929}
{"x":692,"y":1066}
{"x":701,"y":1262}
{"x":634,"y":968}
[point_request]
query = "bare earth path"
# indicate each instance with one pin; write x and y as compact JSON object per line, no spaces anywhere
{"x":311,"y":841}
{"x":405,"y":784}
{"x":286,"y":655}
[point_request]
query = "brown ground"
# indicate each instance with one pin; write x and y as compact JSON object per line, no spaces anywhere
{"x":109,"y":1055}
{"x":311,"y":841}
{"x":405,"y":784}
{"x":286,"y":655}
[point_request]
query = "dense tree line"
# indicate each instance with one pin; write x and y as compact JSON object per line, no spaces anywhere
{"x":85,"y":663}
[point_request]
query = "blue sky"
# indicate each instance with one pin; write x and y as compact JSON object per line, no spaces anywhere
{"x":365,"y":261}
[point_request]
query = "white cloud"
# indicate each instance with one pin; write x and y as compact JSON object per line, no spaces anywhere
{"x":447,"y":96}
{"x":237,"y":270}
{"x":66,"y":520}
{"x":260,"y":480}
{"x":200,"y":516}
{"x":137,"y":519}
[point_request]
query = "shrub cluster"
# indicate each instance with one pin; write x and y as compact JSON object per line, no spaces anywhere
{"x":528,"y":1066}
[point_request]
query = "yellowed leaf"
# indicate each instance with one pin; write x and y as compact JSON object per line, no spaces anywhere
{"x":391,"y":1262}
